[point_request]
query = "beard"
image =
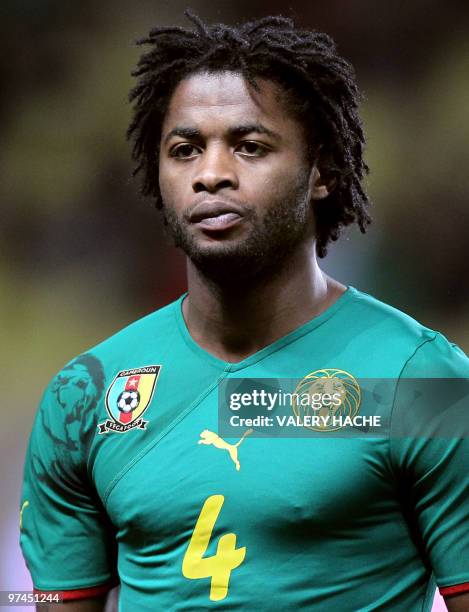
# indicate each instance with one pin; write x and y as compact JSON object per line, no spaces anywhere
{"x":272,"y":237}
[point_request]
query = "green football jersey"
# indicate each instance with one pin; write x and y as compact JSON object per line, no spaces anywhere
{"x":127,"y":480}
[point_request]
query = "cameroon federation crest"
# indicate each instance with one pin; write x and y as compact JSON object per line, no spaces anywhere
{"x":127,"y":398}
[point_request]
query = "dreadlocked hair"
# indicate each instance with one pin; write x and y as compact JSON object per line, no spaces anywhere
{"x":319,"y":86}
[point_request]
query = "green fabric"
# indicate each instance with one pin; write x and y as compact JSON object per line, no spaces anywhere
{"x":323,"y":523}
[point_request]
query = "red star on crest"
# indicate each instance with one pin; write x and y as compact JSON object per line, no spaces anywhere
{"x":132,"y":382}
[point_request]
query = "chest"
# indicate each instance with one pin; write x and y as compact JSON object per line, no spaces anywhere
{"x":272,"y":486}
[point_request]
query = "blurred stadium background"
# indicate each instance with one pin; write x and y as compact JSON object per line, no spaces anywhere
{"x":83,"y":255}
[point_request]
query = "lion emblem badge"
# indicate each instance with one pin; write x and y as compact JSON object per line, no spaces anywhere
{"x":330,"y":381}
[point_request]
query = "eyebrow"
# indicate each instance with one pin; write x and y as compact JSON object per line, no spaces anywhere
{"x":234,"y":131}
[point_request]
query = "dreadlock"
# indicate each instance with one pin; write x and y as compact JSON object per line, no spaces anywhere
{"x":319,"y":84}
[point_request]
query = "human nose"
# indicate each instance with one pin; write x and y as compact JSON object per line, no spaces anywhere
{"x":215,"y":171}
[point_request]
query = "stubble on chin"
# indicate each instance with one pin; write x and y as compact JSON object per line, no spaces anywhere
{"x":263,"y":247}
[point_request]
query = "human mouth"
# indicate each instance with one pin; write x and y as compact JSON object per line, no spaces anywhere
{"x":215,"y":215}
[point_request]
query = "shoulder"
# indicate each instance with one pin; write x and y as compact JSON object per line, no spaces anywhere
{"x":88,"y":370}
{"x":73,"y":395}
{"x":383,"y":317}
{"x":437,"y":357}
{"x":153,"y":328}
{"x":421,"y":350}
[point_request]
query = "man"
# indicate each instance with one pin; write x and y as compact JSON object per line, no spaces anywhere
{"x":250,"y":141}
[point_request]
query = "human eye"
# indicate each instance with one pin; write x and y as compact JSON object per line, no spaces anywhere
{"x":184,"y":150}
{"x":251,"y":148}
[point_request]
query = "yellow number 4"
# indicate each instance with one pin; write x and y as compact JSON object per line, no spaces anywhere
{"x":219,"y":566}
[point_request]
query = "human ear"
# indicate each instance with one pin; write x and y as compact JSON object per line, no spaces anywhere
{"x":319,"y":188}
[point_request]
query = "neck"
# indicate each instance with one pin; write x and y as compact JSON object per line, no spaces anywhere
{"x":235,"y":320}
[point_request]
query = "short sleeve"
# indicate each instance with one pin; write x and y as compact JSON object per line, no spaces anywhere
{"x":65,"y":535}
{"x":430,"y":451}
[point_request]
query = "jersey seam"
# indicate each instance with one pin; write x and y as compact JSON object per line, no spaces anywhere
{"x":395,"y":393}
{"x":151,"y":444}
{"x":432,"y":583}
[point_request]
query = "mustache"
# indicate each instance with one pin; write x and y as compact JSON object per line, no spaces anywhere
{"x":248,"y":210}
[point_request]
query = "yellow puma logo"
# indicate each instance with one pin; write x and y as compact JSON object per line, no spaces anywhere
{"x":209,"y":437}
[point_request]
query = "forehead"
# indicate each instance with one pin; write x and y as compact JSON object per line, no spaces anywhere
{"x":220,"y":98}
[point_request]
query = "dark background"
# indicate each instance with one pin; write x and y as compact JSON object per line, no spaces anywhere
{"x":83,"y":254}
